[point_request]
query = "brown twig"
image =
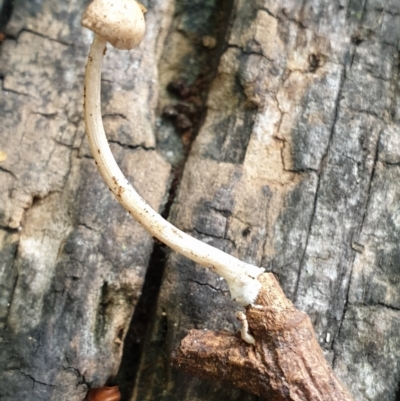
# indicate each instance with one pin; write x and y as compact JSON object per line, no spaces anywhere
{"x":286,"y":362}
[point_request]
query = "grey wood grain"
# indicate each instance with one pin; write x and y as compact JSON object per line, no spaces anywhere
{"x":72,"y":260}
{"x":295,"y":167}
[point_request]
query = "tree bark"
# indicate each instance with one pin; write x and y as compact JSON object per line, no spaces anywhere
{"x":72,"y":261}
{"x":270,"y":129}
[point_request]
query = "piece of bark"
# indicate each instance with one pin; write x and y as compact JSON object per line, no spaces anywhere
{"x":296,"y":169}
{"x":286,"y":362}
{"x":72,"y":261}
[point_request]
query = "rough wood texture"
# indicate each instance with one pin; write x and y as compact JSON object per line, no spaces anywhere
{"x":295,"y":168}
{"x":284,"y":364}
{"x":72,"y":261}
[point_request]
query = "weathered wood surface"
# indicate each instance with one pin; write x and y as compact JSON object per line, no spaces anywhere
{"x":295,"y":168}
{"x":72,"y":261}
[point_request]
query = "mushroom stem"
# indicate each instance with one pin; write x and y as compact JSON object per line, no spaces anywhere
{"x":241,"y":277}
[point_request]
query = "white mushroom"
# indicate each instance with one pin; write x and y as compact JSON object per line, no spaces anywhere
{"x":121,"y":23}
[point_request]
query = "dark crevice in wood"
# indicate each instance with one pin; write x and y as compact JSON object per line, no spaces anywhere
{"x":5,"y":89}
{"x":391,"y":307}
{"x":368,"y":198}
{"x":86,"y":226}
{"x":209,"y":235}
{"x":4,"y":170}
{"x":398,"y":393}
{"x":34,"y":380}
{"x":26,"y":30}
{"x":131,"y":147}
{"x":203,"y":82}
{"x":145,"y":312}
{"x":335,"y":118}
{"x":5,"y":13}
{"x":9,"y":230}
{"x":371,"y":179}
{"x":299,"y":23}
{"x":13,"y":267}
{"x":389,"y":164}
{"x":296,"y":287}
{"x":78,"y":374}
{"x":367,"y":202}
{"x":216,"y":289}
{"x":395,"y":88}
{"x":322,"y":164}
{"x":268,"y":11}
{"x":141,"y":322}
{"x":248,"y":52}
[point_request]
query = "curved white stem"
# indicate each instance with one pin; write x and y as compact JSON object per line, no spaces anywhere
{"x":241,"y":277}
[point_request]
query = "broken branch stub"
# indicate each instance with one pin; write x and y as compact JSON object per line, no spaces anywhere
{"x":285,"y":361}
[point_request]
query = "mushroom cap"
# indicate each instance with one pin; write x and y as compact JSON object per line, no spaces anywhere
{"x":120,"y":22}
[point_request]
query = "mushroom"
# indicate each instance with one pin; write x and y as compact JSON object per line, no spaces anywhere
{"x":284,"y":360}
{"x":121,"y":23}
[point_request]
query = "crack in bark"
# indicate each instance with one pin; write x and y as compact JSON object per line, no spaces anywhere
{"x":32,"y":32}
{"x":367,"y":203}
{"x":5,"y":89}
{"x":120,"y":115}
{"x":247,"y":53}
{"x":224,"y":212}
{"x":302,"y":259}
{"x":132,"y":147}
{"x":269,"y":12}
{"x":216,"y":289}
{"x":50,"y":116}
{"x":9,"y":229}
{"x":79,"y":375}
{"x":300,"y":24}
{"x":4,"y":170}
{"x":34,"y":380}
{"x":323,"y":160}
{"x":371,"y":179}
{"x":387,"y":306}
{"x":86,"y":226}
{"x":65,"y":145}
{"x":214,"y":236}
{"x":152,"y":283}
{"x":389,"y":164}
